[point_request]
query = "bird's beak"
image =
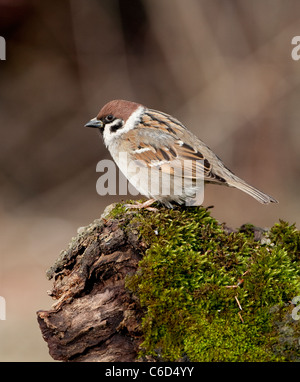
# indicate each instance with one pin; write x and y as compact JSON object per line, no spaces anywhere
{"x":95,"y":123}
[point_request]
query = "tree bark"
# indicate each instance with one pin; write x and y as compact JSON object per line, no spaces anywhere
{"x":94,"y":317}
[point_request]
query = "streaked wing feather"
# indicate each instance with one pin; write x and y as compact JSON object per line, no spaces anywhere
{"x":168,"y":151}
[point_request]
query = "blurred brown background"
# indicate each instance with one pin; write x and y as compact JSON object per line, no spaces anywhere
{"x":224,"y":68}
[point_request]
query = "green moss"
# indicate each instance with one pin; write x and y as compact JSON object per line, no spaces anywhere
{"x":195,"y":274}
{"x":117,"y":211}
{"x":287,"y":236}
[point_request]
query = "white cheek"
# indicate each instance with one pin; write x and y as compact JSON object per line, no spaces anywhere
{"x":107,"y":135}
{"x":110,"y":137}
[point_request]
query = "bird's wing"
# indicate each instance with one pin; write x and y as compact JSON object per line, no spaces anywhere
{"x":167,"y":151}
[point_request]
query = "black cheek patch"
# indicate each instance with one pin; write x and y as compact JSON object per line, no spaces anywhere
{"x":116,"y":127}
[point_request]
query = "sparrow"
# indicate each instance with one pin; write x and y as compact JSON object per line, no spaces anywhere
{"x":153,"y":140}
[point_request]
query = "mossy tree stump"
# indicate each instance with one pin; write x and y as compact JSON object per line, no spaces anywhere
{"x":174,"y":285}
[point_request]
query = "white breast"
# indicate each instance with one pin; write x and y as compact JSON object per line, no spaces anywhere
{"x":137,"y":175}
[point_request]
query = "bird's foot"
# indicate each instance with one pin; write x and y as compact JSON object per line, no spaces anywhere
{"x":146,"y":205}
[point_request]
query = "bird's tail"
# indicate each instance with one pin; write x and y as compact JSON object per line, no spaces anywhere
{"x":252,"y":191}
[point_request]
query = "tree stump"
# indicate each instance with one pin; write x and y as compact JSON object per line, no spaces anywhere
{"x":94,"y":317}
{"x":202,"y":292}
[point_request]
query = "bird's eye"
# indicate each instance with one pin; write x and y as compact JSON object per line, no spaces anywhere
{"x":109,"y":118}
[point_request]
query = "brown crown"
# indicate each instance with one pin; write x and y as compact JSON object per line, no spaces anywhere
{"x":119,"y":109}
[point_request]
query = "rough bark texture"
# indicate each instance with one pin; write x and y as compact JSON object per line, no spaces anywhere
{"x":94,"y":317}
